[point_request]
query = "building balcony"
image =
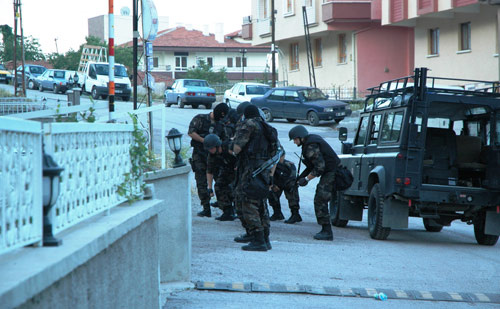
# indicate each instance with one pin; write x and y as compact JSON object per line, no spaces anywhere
{"x":352,"y":11}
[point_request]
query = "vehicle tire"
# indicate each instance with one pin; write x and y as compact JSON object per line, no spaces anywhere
{"x":479,"y":225}
{"x":375,"y":214}
{"x":334,"y":211}
{"x":291,"y":120}
{"x":194,"y":105}
{"x":268,"y":117}
{"x":94,"y":94}
{"x":180,"y":103}
{"x":54,"y":89}
{"x":208,"y":106}
{"x":431,"y":228}
{"x":338,"y":120}
{"x":104,"y":97}
{"x":168,"y":104}
{"x":40,"y":88}
{"x":31,"y":84}
{"x":312,"y":118}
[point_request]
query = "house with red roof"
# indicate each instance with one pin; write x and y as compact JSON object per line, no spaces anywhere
{"x":178,"y":49}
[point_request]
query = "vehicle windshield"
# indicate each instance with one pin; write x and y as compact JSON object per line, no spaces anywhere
{"x":195,"y":83}
{"x":313,"y":94}
{"x":103,"y":69}
{"x":252,"y":89}
{"x":37,"y":70}
{"x":59,"y":74}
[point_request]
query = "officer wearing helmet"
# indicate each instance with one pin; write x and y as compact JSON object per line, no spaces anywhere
{"x":202,"y":125}
{"x":220,"y":166}
{"x":320,"y":161}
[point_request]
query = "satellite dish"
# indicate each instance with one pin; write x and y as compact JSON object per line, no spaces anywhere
{"x":125,"y":11}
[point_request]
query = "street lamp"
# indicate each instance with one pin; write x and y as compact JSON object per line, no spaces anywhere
{"x":243,"y":51}
{"x":51,"y":182}
{"x":174,"y":143}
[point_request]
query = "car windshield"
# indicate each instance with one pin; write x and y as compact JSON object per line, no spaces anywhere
{"x":252,"y":89}
{"x":37,"y":70}
{"x":59,"y":74}
{"x":103,"y":69}
{"x":195,"y":83}
{"x":313,"y":94}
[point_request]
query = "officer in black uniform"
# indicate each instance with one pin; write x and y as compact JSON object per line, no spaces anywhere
{"x":202,"y":125}
{"x":320,"y":161}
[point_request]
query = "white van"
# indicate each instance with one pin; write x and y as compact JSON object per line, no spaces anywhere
{"x":96,"y":80}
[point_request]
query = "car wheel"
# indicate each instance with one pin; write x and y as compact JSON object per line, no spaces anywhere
{"x":338,"y":120}
{"x":194,"y":105}
{"x":431,"y":225}
{"x":54,"y":88}
{"x":375,"y":214}
{"x":291,"y":120}
{"x":312,"y":118}
{"x":168,"y":104}
{"x":94,"y":94}
{"x":125,"y":99}
{"x":334,"y":211}
{"x":268,"y":117}
{"x":180,"y":103}
{"x":479,"y":225}
{"x":40,"y":88}
{"x":208,"y":106}
{"x":31,"y":84}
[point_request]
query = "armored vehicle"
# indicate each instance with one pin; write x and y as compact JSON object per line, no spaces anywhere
{"x":424,"y":148}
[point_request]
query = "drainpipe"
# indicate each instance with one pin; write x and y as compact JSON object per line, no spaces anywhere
{"x":354,"y":65}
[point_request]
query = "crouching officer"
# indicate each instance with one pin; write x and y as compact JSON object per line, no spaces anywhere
{"x":223,"y":164}
{"x":320,"y":161}
{"x":285,"y":180}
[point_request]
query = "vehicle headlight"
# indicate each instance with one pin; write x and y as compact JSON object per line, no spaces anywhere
{"x":328,"y":109}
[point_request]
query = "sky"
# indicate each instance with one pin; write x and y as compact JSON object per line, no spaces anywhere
{"x":67,"y":20}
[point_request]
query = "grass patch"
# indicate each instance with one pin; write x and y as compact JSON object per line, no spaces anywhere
{"x":6,"y":94}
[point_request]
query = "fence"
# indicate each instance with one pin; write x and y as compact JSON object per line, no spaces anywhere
{"x":344,"y":93}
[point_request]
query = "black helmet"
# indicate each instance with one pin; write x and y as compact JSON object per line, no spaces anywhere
{"x":297,"y":131}
{"x":241,"y":108}
{"x":251,"y":111}
{"x":211,"y":141}
{"x":220,"y":111}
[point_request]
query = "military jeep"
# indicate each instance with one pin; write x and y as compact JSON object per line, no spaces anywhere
{"x":425,"y":149}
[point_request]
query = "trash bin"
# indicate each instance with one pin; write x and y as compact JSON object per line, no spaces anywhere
{"x":74,"y":96}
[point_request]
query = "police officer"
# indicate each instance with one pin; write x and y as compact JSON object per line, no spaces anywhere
{"x":252,"y":148}
{"x":285,"y":180}
{"x":320,"y":161}
{"x":202,"y":125}
{"x":222,"y":163}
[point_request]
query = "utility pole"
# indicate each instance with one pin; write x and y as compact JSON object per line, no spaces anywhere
{"x":18,"y":16}
{"x":57,"y":49}
{"x":111,"y":58}
{"x":135,"y":35}
{"x":273,"y":46}
{"x":243,"y":62}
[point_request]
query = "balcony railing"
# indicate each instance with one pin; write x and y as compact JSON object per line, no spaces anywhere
{"x":263,"y":27}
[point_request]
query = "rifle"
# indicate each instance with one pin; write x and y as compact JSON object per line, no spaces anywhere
{"x":269,"y":163}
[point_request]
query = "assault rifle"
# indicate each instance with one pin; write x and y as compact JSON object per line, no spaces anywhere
{"x":269,"y":163}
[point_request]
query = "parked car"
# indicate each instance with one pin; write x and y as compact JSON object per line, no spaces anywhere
{"x":31,"y":72}
{"x":55,"y":80}
{"x":5,"y":75}
{"x":194,"y":92}
{"x":95,"y":80}
{"x":294,"y":103}
{"x":244,"y":92}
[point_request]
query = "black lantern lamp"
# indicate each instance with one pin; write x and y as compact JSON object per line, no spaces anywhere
{"x":174,"y":142}
{"x":51,"y":182}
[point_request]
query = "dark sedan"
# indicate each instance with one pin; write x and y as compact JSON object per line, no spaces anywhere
{"x":294,"y":103}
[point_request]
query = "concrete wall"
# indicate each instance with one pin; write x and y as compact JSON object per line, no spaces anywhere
{"x":173,"y":187}
{"x":104,"y":262}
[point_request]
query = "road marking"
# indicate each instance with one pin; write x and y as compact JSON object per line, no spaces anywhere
{"x":482,"y":298}
{"x":426,"y":295}
{"x":456,"y":296}
{"x":401,"y":294}
{"x":209,"y":285}
{"x":238,"y":286}
{"x":371,"y":292}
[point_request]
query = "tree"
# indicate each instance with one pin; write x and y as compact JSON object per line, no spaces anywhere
{"x":204,"y":71}
{"x":32,"y":49}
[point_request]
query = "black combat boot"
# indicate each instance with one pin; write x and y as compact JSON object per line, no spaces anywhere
{"x":244,"y":238}
{"x":277,"y":215}
{"x":258,"y":243}
{"x":227,"y":215}
{"x":325,"y":234}
{"x":205,"y":212}
{"x":266,"y":239}
{"x":295,"y":217}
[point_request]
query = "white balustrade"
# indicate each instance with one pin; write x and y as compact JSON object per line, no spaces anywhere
{"x":21,"y":209}
{"x":263,"y":26}
{"x":95,"y":158}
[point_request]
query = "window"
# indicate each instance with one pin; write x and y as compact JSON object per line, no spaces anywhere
{"x":155,"y":62}
{"x":287,"y":7}
{"x":375,"y":129}
{"x":229,"y":62}
{"x":308,"y":3}
{"x":277,"y":95}
{"x":294,"y":56}
{"x":210,"y":62}
{"x":342,"y":49}
{"x":318,"y":51}
{"x":363,"y":128}
{"x":291,"y":96}
{"x":181,"y":63}
{"x":465,"y":36}
{"x":265,"y":8}
{"x":434,"y":41}
{"x":238,"y":62}
{"x":391,"y":128}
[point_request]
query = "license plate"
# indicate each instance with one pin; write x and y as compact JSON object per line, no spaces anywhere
{"x":201,"y":94}
{"x":340,"y":114}
{"x":118,"y":91}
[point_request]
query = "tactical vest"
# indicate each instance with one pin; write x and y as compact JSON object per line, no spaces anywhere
{"x":207,"y":128}
{"x":258,"y":146}
{"x":329,"y":155}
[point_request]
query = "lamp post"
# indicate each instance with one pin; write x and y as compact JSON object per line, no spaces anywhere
{"x":243,"y":51}
{"x":174,"y":143}
{"x":51,"y":182}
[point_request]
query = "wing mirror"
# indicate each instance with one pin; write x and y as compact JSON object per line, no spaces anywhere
{"x":342,"y":134}
{"x":241,"y":93}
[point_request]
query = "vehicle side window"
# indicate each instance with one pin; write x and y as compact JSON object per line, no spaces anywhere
{"x":92,"y":72}
{"x":363,"y":128}
{"x":391,"y":128}
{"x":497,"y":129}
{"x":277,"y":95}
{"x":375,"y":129}
{"x":235,"y":88}
{"x":290,"y":96}
{"x":241,"y":88}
